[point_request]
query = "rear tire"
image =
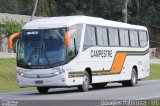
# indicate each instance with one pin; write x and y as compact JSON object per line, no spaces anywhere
{"x":43,"y":90}
{"x":99,"y":85}
{"x":86,"y":82}
{"x":134,"y":79}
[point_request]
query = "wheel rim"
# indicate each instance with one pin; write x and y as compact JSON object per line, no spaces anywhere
{"x":134,"y":78}
{"x":85,"y":81}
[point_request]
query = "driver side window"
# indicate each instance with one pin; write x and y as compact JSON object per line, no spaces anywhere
{"x":72,"y":48}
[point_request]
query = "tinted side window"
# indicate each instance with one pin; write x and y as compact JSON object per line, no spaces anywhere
{"x":143,"y":38}
{"x":93,"y":36}
{"x":89,"y":37}
{"x":116,"y":37}
{"x":113,"y":37}
{"x":134,"y":38}
{"x":100,"y":36}
{"x":77,"y":34}
{"x":124,"y":37}
{"x":105,"y":37}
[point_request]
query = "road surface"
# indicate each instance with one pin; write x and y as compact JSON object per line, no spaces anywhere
{"x":114,"y":91}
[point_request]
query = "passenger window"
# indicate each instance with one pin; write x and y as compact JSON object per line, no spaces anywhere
{"x":124,"y":37}
{"x":89,"y":37}
{"x":116,"y":37}
{"x":105,"y":37}
{"x":113,"y":37}
{"x":134,"y":38}
{"x":93,"y":36}
{"x":99,"y":36}
{"x":102,"y":37}
{"x":143,"y":38}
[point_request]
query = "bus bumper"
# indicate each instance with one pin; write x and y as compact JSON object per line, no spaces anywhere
{"x":58,"y":80}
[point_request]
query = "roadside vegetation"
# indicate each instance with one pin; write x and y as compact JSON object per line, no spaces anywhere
{"x":154,"y":72}
{"x":8,"y":77}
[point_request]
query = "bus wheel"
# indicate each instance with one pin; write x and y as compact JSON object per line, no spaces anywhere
{"x":98,"y":86}
{"x":86,"y":82}
{"x":133,"y":81}
{"x":43,"y":90}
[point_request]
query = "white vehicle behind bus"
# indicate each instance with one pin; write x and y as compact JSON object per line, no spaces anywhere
{"x":80,"y":51}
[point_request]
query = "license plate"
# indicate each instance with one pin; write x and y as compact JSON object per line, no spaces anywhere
{"x":39,"y":82}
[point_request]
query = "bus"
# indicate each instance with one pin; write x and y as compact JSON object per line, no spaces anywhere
{"x":80,"y":51}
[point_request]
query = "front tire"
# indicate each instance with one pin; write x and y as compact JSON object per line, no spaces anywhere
{"x":134,"y":79}
{"x":86,"y":82}
{"x":43,"y":90}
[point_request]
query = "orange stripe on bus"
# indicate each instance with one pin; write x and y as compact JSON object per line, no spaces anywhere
{"x":118,"y":63}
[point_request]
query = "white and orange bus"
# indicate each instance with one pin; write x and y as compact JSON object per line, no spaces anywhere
{"x":80,"y":51}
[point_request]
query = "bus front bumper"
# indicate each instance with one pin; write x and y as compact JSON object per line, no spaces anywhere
{"x":58,"y":80}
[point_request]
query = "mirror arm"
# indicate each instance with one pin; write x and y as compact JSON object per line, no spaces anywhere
{"x":10,"y":39}
{"x":67,"y":36}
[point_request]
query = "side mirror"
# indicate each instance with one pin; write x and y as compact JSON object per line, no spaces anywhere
{"x":10,"y":39}
{"x":67,"y":36}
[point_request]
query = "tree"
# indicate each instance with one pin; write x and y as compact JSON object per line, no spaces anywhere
{"x":42,"y":8}
{"x":52,"y":5}
{"x":26,"y":6}
{"x":11,"y":27}
{"x":9,"y":6}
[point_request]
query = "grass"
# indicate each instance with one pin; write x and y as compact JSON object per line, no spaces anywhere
{"x":8,"y":77}
{"x":154,"y":72}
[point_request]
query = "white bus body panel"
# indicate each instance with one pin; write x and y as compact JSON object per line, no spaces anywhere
{"x":83,"y":60}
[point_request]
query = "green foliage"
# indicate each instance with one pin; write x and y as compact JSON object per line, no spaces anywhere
{"x":154,"y":72}
{"x":42,"y":8}
{"x":25,"y":7}
{"x":9,"y":6}
{"x":8,"y":76}
{"x":52,"y":8}
{"x":11,"y":27}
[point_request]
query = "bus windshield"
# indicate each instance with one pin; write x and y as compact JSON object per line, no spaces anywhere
{"x":41,"y":48}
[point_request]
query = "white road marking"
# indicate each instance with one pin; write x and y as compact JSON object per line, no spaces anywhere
{"x":149,"y":97}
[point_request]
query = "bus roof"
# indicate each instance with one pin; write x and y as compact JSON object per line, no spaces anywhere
{"x":64,"y":21}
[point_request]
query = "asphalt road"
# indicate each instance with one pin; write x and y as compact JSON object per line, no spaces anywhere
{"x":114,"y":91}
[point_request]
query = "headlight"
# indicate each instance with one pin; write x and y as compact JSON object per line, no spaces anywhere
{"x":57,"y":71}
{"x":21,"y":72}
